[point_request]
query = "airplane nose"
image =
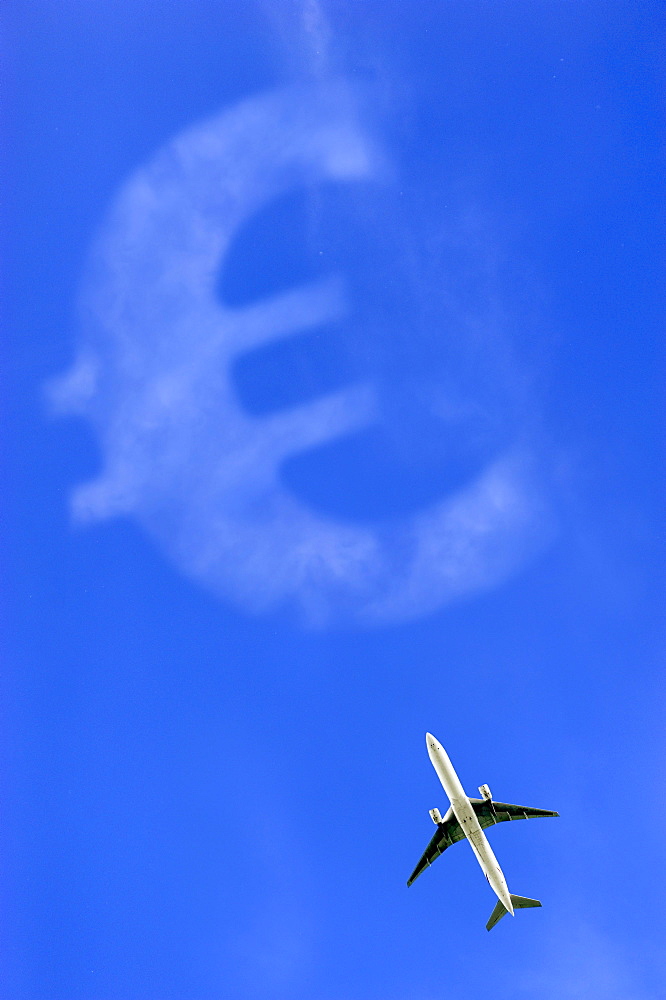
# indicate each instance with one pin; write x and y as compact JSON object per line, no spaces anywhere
{"x":430,"y":739}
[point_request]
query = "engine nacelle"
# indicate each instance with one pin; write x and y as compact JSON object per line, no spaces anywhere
{"x":435,"y":816}
{"x":485,"y":791}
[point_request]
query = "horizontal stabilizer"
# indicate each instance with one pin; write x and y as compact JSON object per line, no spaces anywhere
{"x":524,"y":902}
{"x":519,"y":903}
{"x":497,"y":914}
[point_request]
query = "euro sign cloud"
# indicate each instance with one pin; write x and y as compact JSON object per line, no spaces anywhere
{"x":181,"y":454}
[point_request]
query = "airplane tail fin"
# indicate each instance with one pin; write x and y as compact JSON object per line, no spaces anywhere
{"x":519,"y":903}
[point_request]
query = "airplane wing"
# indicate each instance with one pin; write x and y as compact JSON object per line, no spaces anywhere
{"x":447,"y":833}
{"x":489,"y":813}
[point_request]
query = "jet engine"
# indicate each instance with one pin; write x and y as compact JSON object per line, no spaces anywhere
{"x":435,"y":816}
{"x":485,"y":791}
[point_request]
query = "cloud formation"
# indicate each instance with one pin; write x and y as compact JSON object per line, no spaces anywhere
{"x":180,"y":453}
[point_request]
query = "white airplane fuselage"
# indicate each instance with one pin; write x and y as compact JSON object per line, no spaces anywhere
{"x":464,"y":813}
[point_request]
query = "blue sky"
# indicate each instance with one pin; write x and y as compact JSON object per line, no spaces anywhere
{"x":333,"y":415}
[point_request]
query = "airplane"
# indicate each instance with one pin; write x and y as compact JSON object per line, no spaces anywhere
{"x":468,"y":818}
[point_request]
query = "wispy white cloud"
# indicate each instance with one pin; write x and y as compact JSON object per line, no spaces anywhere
{"x":305,"y":34}
{"x":181,"y":455}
